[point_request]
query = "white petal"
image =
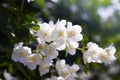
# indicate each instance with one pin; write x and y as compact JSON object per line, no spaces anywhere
{"x":31,"y":66}
{"x":60,"y":64}
{"x":43,"y":69}
{"x":71,"y":51}
{"x":61,"y":47}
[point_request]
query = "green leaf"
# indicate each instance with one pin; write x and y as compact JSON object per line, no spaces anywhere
{"x":118,"y":55}
{"x":3,"y":18}
{"x":31,"y":26}
{"x":78,"y":61}
{"x":23,"y":72}
{"x":30,"y":18}
{"x":10,"y":68}
{"x":85,"y":40}
{"x":36,"y":28}
{"x":86,"y":68}
{"x":41,"y":3}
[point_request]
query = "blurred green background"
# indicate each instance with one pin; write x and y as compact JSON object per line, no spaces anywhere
{"x":99,"y":20}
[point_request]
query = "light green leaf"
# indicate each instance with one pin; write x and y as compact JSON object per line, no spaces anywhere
{"x":41,"y":3}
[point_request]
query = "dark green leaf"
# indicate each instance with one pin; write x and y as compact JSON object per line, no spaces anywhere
{"x":3,"y":18}
{"x":78,"y":61}
{"x":86,"y":68}
{"x":22,"y":33}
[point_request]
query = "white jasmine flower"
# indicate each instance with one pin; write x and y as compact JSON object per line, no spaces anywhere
{"x":44,"y":66}
{"x":92,"y":54}
{"x":32,"y":60}
{"x":98,"y":54}
{"x":20,"y":44}
{"x":52,"y":25}
{"x":59,"y":33}
{"x":108,"y":55}
{"x":69,"y":72}
{"x":70,"y":36}
{"x":71,"y":47}
{"x":46,"y":61}
{"x":60,"y":64}
{"x":61,"y":23}
{"x":45,"y":32}
{"x":20,"y":52}
{"x":110,"y":50}
{"x":72,"y":71}
{"x":73,"y":35}
{"x":51,"y":51}
{"x":66,"y":71}
{"x":74,"y":68}
{"x":62,"y":68}
{"x":8,"y":76}
{"x":43,"y":69}
{"x":60,"y":44}
{"x":41,"y":46}
{"x":74,"y":32}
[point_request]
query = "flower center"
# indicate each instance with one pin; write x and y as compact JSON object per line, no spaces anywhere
{"x":104,"y":57}
{"x":46,"y":33}
{"x":65,"y":73}
{"x":22,"y":54}
{"x":94,"y":52}
{"x":72,"y":32}
{"x":60,"y":33}
{"x":41,"y":47}
{"x":32,"y":59}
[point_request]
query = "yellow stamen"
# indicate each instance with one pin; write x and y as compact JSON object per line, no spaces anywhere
{"x":72,"y":32}
{"x":60,"y":33}
{"x":46,"y":33}
{"x":32,"y":59}
{"x":41,"y":46}
{"x":22,"y":53}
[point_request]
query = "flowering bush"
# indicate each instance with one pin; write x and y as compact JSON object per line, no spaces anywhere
{"x":49,"y":50}
{"x":51,"y":40}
